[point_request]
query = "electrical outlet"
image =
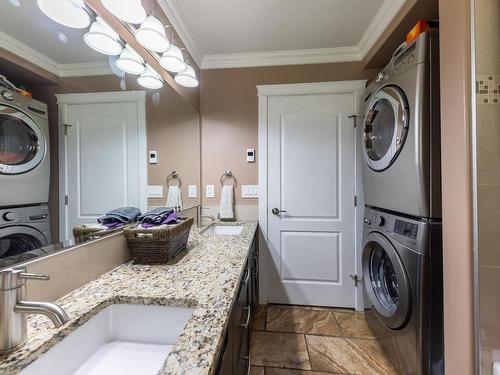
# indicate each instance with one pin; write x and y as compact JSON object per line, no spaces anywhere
{"x":210,"y":191}
{"x":155,"y":191}
{"x":192,"y":191}
{"x":250,"y":191}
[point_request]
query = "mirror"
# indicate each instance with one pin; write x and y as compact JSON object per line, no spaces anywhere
{"x":79,"y":138}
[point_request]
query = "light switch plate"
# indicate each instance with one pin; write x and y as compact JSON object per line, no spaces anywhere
{"x":250,"y":155}
{"x":250,"y":191}
{"x":192,"y":191}
{"x":210,"y":191}
{"x":153,"y":157}
{"x":155,"y":191}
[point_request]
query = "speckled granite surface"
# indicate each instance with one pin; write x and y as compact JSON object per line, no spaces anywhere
{"x":204,"y":277}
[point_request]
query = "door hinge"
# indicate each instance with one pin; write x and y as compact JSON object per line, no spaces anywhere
{"x":354,"y":122}
{"x":66,"y":126}
{"x":355,"y":201}
{"x":357,"y":279}
{"x":66,"y":200}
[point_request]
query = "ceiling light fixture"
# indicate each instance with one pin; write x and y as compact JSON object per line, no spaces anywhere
{"x":150,"y":79}
{"x":130,"y":11}
{"x":103,"y":38}
{"x":187,"y":78}
{"x":130,"y":61}
{"x":151,"y":35}
{"x":173,"y":60}
{"x":70,"y":13}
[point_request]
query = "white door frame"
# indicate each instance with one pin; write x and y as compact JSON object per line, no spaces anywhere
{"x":134,"y":97}
{"x":356,"y":88}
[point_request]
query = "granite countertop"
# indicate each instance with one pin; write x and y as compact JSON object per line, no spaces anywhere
{"x":204,"y":277}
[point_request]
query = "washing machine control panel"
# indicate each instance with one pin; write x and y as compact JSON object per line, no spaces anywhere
{"x":406,"y":229}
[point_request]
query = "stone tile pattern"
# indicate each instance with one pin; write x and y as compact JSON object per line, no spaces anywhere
{"x":294,"y":340}
{"x":204,"y":277}
{"x":488,"y":89}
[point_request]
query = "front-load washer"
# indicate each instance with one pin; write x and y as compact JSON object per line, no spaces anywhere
{"x":24,"y":150}
{"x":401,"y":132}
{"x":23,"y":229}
{"x":402,"y":274}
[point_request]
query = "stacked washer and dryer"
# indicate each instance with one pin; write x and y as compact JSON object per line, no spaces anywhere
{"x":24,"y":174}
{"x":402,"y":244}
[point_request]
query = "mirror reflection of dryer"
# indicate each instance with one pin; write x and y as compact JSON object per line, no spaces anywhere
{"x":24,"y":155}
{"x":401,"y":136}
{"x":402,"y":261}
{"x":24,"y":231}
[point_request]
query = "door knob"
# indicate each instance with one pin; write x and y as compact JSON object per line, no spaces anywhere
{"x":277,"y":211}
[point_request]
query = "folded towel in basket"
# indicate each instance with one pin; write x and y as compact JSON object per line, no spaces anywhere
{"x":158,"y":216}
{"x":119,"y":217}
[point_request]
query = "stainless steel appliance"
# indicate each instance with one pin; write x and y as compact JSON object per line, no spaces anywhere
{"x":401,"y":136}
{"x":402,"y":273}
{"x":23,"y":229}
{"x":24,"y":150}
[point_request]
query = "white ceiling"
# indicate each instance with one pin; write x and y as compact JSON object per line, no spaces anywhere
{"x":234,"y":33}
{"x":27,"y":32}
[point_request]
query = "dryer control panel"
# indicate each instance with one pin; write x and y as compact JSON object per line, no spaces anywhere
{"x":406,"y":229}
{"x":410,"y":232}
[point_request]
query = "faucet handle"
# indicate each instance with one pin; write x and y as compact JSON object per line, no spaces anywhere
{"x":33,"y":276}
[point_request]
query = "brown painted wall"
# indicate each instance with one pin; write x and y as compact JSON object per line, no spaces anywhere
{"x":456,"y":179}
{"x":229,"y":113}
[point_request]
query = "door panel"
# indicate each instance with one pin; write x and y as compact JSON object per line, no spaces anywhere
{"x":311,"y":179}
{"x":102,"y":161}
{"x":309,"y":138}
{"x":319,"y":263}
{"x":92,"y":139}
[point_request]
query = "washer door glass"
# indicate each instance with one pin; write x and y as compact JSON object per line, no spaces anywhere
{"x":386,"y":281}
{"x":22,"y":145}
{"x":16,"y":240}
{"x":385,"y":128}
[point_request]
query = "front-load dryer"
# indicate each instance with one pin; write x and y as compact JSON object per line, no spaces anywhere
{"x":401,"y":132}
{"x":22,"y":231}
{"x":24,"y":150}
{"x":402,"y":274}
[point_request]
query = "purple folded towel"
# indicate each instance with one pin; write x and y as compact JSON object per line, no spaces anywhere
{"x":170,"y":219}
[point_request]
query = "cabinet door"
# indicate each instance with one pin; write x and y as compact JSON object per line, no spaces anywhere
{"x":225,"y":365}
{"x":254,"y":263}
{"x":243,"y":312}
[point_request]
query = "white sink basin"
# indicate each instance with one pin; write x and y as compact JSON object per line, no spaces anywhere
{"x":224,"y":230}
{"x":120,"y":339}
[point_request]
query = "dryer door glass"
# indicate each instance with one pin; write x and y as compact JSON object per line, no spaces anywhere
{"x":385,"y":128}
{"x":386,"y":281}
{"x":22,"y":145}
{"x":17,"y":240}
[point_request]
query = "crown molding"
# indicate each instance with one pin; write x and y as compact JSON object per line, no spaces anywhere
{"x":174,"y":14}
{"x":97,"y":68}
{"x":385,"y":15}
{"x":61,"y":70}
{"x":376,"y":28}
{"x":295,"y":57}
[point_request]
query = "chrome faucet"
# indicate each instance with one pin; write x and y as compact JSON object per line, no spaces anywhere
{"x":14,"y":308}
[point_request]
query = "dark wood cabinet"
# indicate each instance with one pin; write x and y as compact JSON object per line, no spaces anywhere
{"x":234,"y":358}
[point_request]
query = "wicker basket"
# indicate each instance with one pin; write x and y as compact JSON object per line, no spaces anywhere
{"x":84,"y":233}
{"x":157,"y":244}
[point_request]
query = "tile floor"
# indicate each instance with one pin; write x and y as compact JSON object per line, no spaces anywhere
{"x":292,"y":340}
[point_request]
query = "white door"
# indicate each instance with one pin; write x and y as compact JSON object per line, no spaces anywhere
{"x":105,"y":165}
{"x":311,"y":180}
